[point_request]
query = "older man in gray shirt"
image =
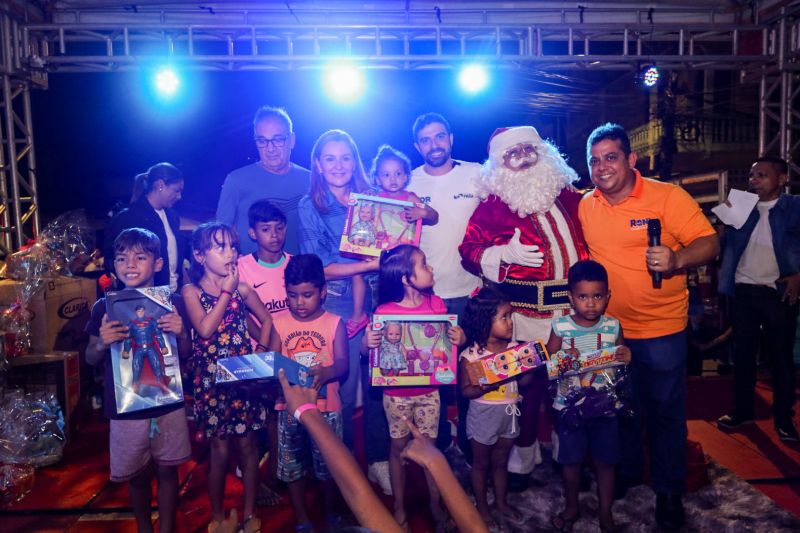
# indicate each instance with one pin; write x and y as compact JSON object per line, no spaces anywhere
{"x":273,"y":177}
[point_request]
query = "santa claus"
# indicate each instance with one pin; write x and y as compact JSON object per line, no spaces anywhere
{"x":522,"y":239}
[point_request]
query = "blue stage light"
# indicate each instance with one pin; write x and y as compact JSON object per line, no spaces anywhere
{"x":650,"y":76}
{"x":473,"y":78}
{"x":344,"y":82}
{"x":167,"y":82}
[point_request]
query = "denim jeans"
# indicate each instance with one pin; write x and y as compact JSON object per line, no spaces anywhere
{"x":340,"y":302}
{"x":376,"y":429}
{"x":658,"y":380}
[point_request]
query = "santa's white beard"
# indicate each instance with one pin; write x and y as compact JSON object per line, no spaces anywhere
{"x":533,"y":190}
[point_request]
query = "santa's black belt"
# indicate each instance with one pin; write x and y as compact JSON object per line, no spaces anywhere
{"x":547,"y":295}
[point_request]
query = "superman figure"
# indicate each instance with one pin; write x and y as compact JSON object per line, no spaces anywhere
{"x":145,"y":342}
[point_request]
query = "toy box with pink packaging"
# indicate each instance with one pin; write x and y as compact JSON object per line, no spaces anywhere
{"x":414,"y":351}
{"x":374,"y":224}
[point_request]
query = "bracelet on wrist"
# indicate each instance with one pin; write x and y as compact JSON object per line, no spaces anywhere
{"x":225,"y":291}
{"x":261,"y":347}
{"x":302,"y":409}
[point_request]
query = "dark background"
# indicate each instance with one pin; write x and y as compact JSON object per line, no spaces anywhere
{"x":94,"y":132}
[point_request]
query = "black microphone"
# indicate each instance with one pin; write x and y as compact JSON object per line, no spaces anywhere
{"x":654,"y":239}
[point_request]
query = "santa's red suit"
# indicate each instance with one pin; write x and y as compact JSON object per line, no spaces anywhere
{"x":536,"y":294}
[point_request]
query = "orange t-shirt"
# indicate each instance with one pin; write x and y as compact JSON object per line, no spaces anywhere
{"x":310,"y":343}
{"x":617,"y":239}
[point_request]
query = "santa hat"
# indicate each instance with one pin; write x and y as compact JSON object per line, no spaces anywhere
{"x":504,"y":138}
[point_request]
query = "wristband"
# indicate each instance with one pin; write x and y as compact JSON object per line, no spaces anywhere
{"x":261,"y":347}
{"x":302,"y":409}
{"x":225,"y":291}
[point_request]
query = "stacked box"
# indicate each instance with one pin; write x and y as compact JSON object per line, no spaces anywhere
{"x":56,"y":373}
{"x":60,"y":311}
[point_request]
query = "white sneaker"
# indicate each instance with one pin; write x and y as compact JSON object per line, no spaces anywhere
{"x":379,"y":473}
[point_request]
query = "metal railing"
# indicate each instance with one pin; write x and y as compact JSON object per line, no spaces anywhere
{"x":697,"y":134}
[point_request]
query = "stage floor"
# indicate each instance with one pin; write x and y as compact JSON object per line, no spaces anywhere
{"x":75,"y":495}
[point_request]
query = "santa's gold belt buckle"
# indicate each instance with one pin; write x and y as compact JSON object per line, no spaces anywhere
{"x":550,"y":295}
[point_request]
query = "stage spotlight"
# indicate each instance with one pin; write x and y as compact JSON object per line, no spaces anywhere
{"x":473,"y":78}
{"x":650,"y":76}
{"x":344,"y":82}
{"x":167,"y":82}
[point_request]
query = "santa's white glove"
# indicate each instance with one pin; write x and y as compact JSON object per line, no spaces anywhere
{"x":513,"y":253}
{"x":516,"y":253}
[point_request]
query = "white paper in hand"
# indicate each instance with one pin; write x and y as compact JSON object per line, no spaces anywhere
{"x":741,"y":205}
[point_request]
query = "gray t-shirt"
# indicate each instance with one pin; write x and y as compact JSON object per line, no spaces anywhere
{"x":245,"y":185}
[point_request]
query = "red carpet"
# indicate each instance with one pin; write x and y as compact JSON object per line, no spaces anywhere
{"x":75,"y":495}
{"x":754,"y":453}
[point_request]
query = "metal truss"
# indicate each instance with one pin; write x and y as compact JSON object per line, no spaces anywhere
{"x":109,"y":37}
{"x":557,"y":46}
{"x":19,"y":213}
{"x":779,"y":99}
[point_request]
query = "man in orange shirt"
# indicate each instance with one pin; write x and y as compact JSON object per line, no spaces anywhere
{"x":614,"y":217}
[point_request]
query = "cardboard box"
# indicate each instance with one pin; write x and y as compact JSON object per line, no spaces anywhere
{"x":497,"y":367}
{"x":56,"y":373}
{"x":60,"y":311}
{"x":414,"y":351}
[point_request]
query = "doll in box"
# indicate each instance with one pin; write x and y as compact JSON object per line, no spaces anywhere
{"x":363,"y":232}
{"x":393,"y":355}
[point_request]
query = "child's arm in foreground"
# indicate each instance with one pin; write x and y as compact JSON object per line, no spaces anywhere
{"x":341,"y":365}
{"x":424,"y":453}
{"x":369,"y":510}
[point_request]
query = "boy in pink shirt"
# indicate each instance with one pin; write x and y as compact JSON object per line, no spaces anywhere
{"x":264,"y":269}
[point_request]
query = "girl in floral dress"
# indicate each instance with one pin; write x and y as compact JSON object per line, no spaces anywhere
{"x":217,"y":305}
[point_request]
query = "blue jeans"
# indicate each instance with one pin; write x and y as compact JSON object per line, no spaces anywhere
{"x":658,"y":380}
{"x":376,"y":429}
{"x":340,"y":302}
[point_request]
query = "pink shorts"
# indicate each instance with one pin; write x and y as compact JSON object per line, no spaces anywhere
{"x":134,"y":443}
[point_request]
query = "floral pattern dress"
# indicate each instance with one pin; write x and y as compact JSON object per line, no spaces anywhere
{"x":231,"y":409}
{"x":391,"y":357}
